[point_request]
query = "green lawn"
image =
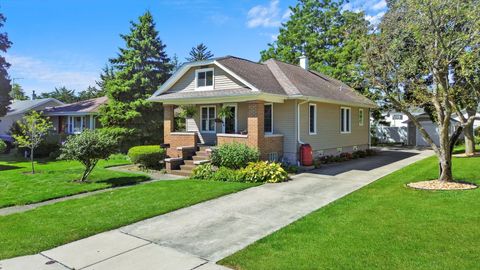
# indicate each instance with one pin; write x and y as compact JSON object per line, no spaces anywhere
{"x":53,"y":225}
{"x":382,"y":226}
{"x":56,"y":179}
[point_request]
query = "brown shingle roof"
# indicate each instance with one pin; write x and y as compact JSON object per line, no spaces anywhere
{"x":85,"y":106}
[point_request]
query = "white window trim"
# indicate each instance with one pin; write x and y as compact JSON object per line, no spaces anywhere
{"x":266,"y":104}
{"x":344,"y":119}
{"x":214,"y":117}
{"x":203,"y":88}
{"x":314,"y":119}
{"x":362,"y":119}
{"x":236,"y":118}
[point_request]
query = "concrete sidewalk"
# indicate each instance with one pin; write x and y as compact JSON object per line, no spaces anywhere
{"x":196,"y":237}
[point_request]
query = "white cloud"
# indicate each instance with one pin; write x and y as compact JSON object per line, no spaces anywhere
{"x":265,"y":16}
{"x":76,"y":74}
{"x":380,"y":5}
{"x":375,"y":19}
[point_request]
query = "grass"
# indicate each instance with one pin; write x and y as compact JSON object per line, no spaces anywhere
{"x":382,"y":226}
{"x":53,"y":225}
{"x":55,"y":179}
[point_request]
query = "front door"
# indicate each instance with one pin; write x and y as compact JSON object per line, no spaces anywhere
{"x":230,"y":124}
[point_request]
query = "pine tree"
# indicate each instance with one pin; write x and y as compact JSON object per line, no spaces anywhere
{"x":138,"y":70}
{"x":61,"y":93}
{"x":17,"y":92}
{"x":90,"y":92}
{"x":5,"y":86}
{"x":200,"y":52}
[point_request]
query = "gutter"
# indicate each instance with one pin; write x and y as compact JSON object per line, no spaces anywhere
{"x":298,"y":120}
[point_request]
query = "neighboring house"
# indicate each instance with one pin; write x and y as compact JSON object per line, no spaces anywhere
{"x":415,"y":138}
{"x":276,"y":107}
{"x":75,"y":117}
{"x":394,"y":127}
{"x":19,"y":108}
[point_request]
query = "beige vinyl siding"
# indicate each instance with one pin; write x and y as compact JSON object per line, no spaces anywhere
{"x":328,"y":128}
{"x":284,"y":123}
{"x":222,"y":80}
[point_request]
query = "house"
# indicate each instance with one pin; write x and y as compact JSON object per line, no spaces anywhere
{"x":275,"y":107}
{"x":75,"y":117}
{"x":394,"y":128}
{"x":19,"y":108}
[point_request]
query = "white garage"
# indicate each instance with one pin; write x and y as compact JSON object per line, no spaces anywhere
{"x":415,"y":138}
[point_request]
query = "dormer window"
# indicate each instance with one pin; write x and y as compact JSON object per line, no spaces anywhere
{"x":204,"y":79}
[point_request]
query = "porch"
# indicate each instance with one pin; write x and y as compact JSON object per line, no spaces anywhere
{"x":249,"y":122}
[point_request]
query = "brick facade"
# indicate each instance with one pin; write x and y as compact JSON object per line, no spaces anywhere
{"x":175,"y":139}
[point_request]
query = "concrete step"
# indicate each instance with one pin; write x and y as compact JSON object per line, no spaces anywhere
{"x":195,"y":158}
{"x":188,"y":162}
{"x":181,"y":172}
{"x":202,"y":153}
{"x":187,"y":167}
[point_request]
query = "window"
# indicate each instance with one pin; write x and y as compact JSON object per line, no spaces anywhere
{"x":268,"y":122}
{"x":345,"y":117}
{"x":77,"y":124}
{"x":312,"y":119}
{"x":204,"y":78}
{"x":208,"y":119}
{"x":360,"y":117}
{"x":397,"y":117}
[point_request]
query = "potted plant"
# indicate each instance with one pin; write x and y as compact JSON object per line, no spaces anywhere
{"x":224,"y":112}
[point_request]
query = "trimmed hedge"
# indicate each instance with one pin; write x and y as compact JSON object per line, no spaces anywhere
{"x":147,"y":156}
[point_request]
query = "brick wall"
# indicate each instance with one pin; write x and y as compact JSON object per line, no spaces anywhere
{"x":272,"y":144}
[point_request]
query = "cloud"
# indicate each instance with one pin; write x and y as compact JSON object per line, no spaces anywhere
{"x":380,"y":5}
{"x":375,"y":19}
{"x":74,"y":74}
{"x":265,"y":15}
{"x":219,"y":19}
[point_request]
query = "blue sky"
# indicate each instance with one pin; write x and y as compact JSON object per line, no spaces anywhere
{"x":59,"y":42}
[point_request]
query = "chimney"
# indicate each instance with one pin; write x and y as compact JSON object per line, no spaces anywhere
{"x":34,"y":96}
{"x":304,"y":62}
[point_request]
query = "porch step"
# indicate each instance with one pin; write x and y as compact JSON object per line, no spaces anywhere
{"x":196,"y":158}
{"x":188,"y":162}
{"x":187,"y":167}
{"x":182,"y":172}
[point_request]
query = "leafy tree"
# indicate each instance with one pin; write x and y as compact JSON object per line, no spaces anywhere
{"x":33,"y":128}
{"x":90,"y":92}
{"x":328,"y":35}
{"x":5,"y":86}
{"x":3,"y":147}
{"x":88,"y":148}
{"x":18,"y":93}
{"x":199,"y":52}
{"x":411,"y":59}
{"x":63,"y":94}
{"x":139,"y":69}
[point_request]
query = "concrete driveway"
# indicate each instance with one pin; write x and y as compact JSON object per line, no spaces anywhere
{"x":196,"y":237}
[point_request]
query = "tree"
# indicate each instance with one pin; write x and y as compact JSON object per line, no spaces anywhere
{"x":5,"y":86}
{"x":62,"y":93}
{"x":88,"y":148}
{"x":89,"y":93}
{"x":411,"y":59}
{"x":175,"y":63}
{"x":199,"y":52}
{"x":139,"y":69}
{"x":33,"y":128}
{"x":328,"y":35}
{"x":18,"y":93}
{"x":106,"y":74}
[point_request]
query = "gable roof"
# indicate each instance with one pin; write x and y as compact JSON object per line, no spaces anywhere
{"x":82,"y":107}
{"x":273,"y":77}
{"x":22,"y":106}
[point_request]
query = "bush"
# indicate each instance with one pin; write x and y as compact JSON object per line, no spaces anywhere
{"x":88,"y":148}
{"x":359,"y":154}
{"x":263,"y":171}
{"x":147,"y":156}
{"x":3,"y":147}
{"x":224,"y":174}
{"x":203,"y":172}
{"x":290,"y":168}
{"x":234,"y":156}
{"x":370,"y":152}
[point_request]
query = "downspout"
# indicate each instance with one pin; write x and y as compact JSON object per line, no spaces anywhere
{"x":298,"y":126}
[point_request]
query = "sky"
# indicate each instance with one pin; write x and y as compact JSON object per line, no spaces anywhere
{"x":67,"y":42}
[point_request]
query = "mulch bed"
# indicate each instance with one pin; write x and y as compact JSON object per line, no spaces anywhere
{"x":441,"y":185}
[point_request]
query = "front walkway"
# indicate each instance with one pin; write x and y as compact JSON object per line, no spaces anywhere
{"x":195,"y":237}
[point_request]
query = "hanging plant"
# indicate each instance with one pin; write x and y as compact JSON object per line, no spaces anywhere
{"x":225,"y":112}
{"x":187,"y":111}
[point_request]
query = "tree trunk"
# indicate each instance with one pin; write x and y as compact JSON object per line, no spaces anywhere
{"x":469,"y":139}
{"x":446,"y":168}
{"x":31,"y":160}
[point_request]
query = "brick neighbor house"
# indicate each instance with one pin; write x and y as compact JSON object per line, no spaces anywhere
{"x":276,"y":107}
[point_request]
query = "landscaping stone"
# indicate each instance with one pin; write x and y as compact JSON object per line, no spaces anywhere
{"x":441,"y":185}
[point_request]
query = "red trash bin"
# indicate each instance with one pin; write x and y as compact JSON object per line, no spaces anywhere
{"x":306,"y":155}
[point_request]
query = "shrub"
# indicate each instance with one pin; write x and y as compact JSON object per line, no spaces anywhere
{"x":359,"y":154}
{"x":88,"y":148}
{"x":290,"y":168}
{"x":234,"y":156}
{"x":263,"y":171}
{"x":224,"y":174}
{"x":203,"y":172}
{"x":3,"y":147}
{"x":147,"y":156}
{"x":370,"y":152}
{"x":346,"y":156}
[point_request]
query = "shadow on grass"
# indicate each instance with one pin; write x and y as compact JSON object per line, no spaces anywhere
{"x":9,"y":167}
{"x":125,"y":180}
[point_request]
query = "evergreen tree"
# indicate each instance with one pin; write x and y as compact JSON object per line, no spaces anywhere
{"x":106,"y":74}
{"x":139,"y":69}
{"x":63,"y":94}
{"x":328,"y":35}
{"x":5,"y":86}
{"x":200,"y":52}
{"x":90,"y":92}
{"x":17,"y":92}
{"x":175,"y":63}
